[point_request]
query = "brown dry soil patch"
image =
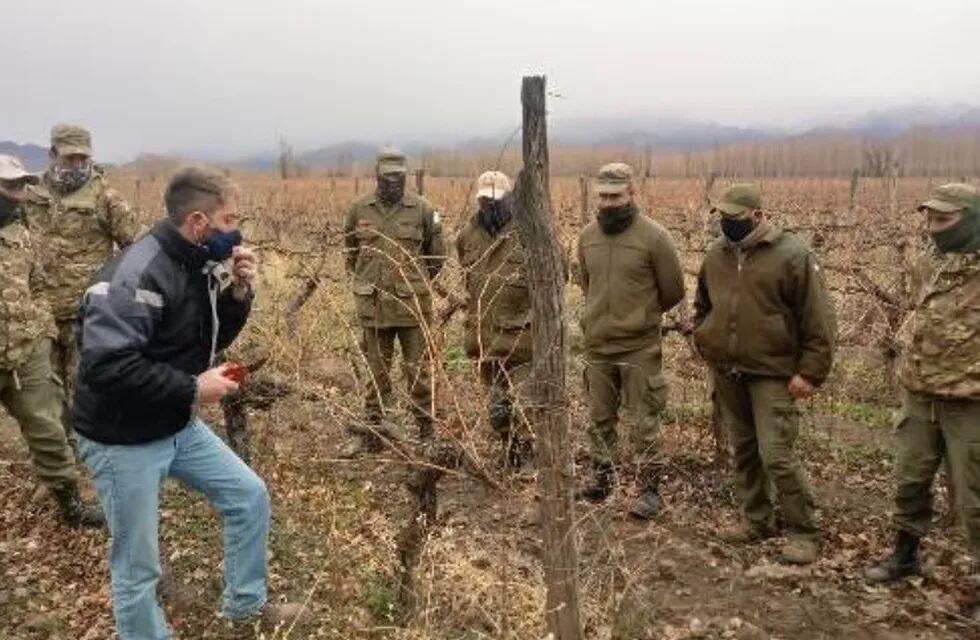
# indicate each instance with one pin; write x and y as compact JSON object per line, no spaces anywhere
{"x":336,"y":522}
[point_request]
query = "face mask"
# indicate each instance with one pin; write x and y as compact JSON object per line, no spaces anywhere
{"x":736,"y":229}
{"x":221,"y":243}
{"x":613,"y":220}
{"x":391,"y":188}
{"x":8,"y":210}
{"x":962,"y":237}
{"x":68,"y":180}
{"x":494,"y":216}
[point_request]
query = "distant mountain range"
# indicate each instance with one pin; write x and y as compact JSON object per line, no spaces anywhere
{"x":34,"y":157}
{"x":660,"y":134}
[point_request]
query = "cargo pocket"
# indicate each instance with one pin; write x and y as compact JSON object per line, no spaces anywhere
{"x":656,"y":394}
{"x":787,"y":419}
{"x":364,"y":300}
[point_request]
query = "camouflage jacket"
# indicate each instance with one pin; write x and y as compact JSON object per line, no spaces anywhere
{"x":939,"y":342}
{"x":498,"y":298}
{"x":392,"y":253}
{"x":76,"y":234}
{"x":24,"y":318}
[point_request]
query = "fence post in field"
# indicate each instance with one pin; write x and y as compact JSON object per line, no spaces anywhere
{"x":892,"y":190}
{"x":420,"y":181}
{"x":855,"y":182}
{"x":357,"y":186}
{"x":583,"y":187}
{"x":548,"y":409}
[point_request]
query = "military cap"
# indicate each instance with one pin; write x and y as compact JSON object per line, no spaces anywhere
{"x":492,"y":184}
{"x":739,"y":200}
{"x":68,"y":139}
{"x":950,"y":198}
{"x":614,"y":178}
{"x":391,"y":160}
{"x":12,"y":169}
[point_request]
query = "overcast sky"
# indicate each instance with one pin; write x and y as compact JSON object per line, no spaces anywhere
{"x":230,"y":76}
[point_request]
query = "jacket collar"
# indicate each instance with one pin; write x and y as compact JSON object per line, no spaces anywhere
{"x":769,"y":235}
{"x":178,"y":247}
{"x":406,"y":201}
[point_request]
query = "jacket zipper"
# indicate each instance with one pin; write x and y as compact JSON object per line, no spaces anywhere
{"x":733,"y":308}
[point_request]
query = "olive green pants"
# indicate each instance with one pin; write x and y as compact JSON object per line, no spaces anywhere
{"x":763,"y":423}
{"x":33,"y":397}
{"x":506,"y":383}
{"x":378,"y":346}
{"x":634,"y":380}
{"x":64,"y":363}
{"x":929,"y":430}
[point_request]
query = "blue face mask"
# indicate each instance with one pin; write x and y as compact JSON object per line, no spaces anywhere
{"x":221,"y":243}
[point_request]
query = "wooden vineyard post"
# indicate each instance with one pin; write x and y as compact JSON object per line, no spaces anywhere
{"x":583,"y":186}
{"x":420,"y":181}
{"x":548,"y":410}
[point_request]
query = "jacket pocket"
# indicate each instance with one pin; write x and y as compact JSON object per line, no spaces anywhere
{"x":364,"y":300}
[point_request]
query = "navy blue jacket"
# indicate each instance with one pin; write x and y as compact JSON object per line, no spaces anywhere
{"x":151,"y":321}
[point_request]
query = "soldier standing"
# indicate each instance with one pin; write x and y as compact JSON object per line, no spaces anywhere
{"x":81,"y":219}
{"x":939,"y":369}
{"x":498,"y":309}
{"x":393,"y":249}
{"x":631,"y":275}
{"x":766,"y":327}
{"x":28,"y":391}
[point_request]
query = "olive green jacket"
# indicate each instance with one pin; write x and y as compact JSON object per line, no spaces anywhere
{"x":498,"y":298}
{"x":630,"y":280}
{"x":764,"y":310}
{"x":393,"y":253}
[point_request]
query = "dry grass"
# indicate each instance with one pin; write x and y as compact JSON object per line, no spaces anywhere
{"x":336,"y":522}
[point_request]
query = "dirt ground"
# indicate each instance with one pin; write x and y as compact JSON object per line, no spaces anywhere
{"x":336,"y":522}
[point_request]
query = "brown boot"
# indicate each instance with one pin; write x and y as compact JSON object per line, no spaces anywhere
{"x":275,"y":614}
{"x":74,"y":511}
{"x":747,"y":533}
{"x":799,"y":549}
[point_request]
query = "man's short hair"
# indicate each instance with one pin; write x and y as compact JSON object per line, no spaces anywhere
{"x":197,"y":189}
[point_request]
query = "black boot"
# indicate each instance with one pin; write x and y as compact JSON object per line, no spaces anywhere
{"x":647,"y":505}
{"x":74,"y":511}
{"x":904,"y":561}
{"x":601,"y":485}
{"x":518,"y":454}
{"x":425,"y":428}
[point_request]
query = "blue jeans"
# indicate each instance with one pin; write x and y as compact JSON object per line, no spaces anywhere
{"x":128,"y":480}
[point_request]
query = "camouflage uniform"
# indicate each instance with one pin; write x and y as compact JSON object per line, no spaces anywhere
{"x":498,"y":319}
{"x":77,"y":233}
{"x":28,"y":390}
{"x":939,"y":369}
{"x":393,"y":251}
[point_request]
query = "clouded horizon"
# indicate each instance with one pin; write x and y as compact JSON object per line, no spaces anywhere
{"x":230,"y":77}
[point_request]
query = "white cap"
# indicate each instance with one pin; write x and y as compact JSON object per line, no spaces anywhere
{"x":492,"y":184}
{"x":12,"y":168}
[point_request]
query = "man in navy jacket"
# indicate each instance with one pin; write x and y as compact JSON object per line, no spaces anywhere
{"x":151,"y":323}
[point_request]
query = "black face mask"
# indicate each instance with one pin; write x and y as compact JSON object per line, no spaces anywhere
{"x":8,"y":210}
{"x":495,"y":215}
{"x":391,"y":188}
{"x":613,"y":220}
{"x":737,"y":229}
{"x":962,"y":237}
